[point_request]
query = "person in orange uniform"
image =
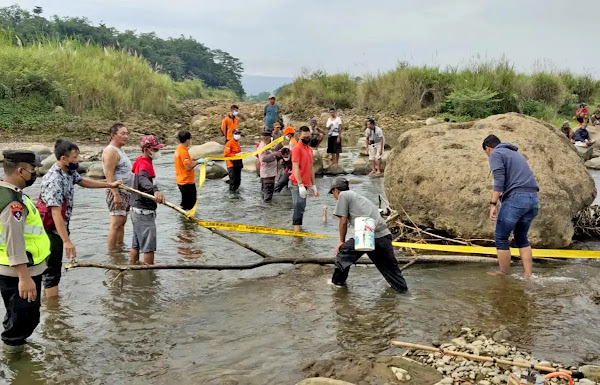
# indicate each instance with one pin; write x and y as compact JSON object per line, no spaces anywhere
{"x":234,"y":167}
{"x":289,"y":132}
{"x":230,"y":123}
{"x":184,"y":171}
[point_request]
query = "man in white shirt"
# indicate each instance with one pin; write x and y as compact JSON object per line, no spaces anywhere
{"x":334,"y":136}
{"x":375,"y":143}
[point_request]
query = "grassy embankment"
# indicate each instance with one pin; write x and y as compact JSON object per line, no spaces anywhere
{"x":477,"y":91}
{"x":88,"y":83}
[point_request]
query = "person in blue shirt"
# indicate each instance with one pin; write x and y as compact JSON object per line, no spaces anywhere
{"x":271,"y":114}
{"x":516,"y":188}
{"x":582,"y":136}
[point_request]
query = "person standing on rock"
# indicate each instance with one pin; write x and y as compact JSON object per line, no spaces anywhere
{"x":516,"y":188}
{"x":230,"y":123}
{"x":268,"y":169}
{"x":334,"y":136}
{"x":184,"y":170}
{"x":271,"y":114}
{"x":234,"y":167}
{"x":375,"y":143}
{"x":143,"y":216}
{"x":24,"y":249}
{"x":350,"y":206}
{"x":55,"y":204}
{"x":303,"y":176}
{"x":117,"y":166}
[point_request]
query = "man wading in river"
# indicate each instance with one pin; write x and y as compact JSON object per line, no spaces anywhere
{"x":117,"y":166}
{"x":516,"y":188}
{"x":24,"y":248}
{"x":350,"y":206}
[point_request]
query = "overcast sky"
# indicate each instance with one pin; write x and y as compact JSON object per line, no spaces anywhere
{"x":280,"y":37}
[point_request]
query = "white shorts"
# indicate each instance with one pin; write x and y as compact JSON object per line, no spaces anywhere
{"x":375,"y":151}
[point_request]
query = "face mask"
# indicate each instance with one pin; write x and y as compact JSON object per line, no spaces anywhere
{"x":73,"y":166}
{"x":32,"y":178}
{"x":306,"y":140}
{"x":237,"y":137}
{"x":286,"y":159}
{"x":235,"y":113}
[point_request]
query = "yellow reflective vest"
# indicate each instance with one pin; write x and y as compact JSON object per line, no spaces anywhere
{"x":37,"y":243}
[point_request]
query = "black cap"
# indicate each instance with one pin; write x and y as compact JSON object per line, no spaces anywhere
{"x":21,"y":156}
{"x":340,"y":183}
{"x":265,"y":133}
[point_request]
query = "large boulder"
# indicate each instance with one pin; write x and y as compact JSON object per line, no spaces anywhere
{"x":47,"y":164}
{"x":317,"y":162}
{"x":593,"y":163}
{"x":96,"y":171}
{"x":440,"y":176}
{"x":206,"y":149}
{"x":585,"y":152}
{"x":215,"y":171}
{"x":40,"y":149}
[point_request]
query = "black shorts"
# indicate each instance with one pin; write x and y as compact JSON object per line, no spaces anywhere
{"x":333,"y":147}
{"x":51,"y":277}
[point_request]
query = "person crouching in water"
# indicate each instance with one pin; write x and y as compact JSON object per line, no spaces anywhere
{"x":268,"y":168}
{"x":350,"y":206}
{"x":143,"y":215}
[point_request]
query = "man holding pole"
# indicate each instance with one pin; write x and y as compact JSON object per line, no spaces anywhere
{"x":516,"y":188}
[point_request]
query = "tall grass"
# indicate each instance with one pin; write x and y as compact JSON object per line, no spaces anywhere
{"x":482,"y":88}
{"x":85,"y":78}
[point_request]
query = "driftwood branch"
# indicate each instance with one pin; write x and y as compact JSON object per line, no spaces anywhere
{"x":271,"y":261}
{"x":196,"y":219}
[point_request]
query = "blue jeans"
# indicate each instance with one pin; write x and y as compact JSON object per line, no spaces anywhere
{"x":299,"y":206}
{"x":515,"y":216}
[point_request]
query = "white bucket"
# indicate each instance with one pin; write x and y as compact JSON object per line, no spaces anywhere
{"x":364,"y":234}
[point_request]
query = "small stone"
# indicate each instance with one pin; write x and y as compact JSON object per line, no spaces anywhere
{"x":484,"y":382}
{"x":501,"y":351}
{"x":446,"y":381}
{"x":585,"y":381}
{"x":481,"y":338}
{"x":472,"y":376}
{"x":459,"y":342}
{"x":407,"y":377}
{"x":477,"y":343}
{"x":497,"y":380}
{"x":545,"y":363}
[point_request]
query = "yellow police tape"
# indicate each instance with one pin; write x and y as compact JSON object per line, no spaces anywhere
{"x":537,"y":253}
{"x":202,"y":171}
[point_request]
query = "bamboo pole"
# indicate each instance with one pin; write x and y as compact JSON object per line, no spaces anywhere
{"x":196,"y":219}
{"x":473,"y":357}
{"x":294,"y":261}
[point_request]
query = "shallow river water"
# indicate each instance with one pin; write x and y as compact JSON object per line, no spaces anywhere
{"x":260,"y":326}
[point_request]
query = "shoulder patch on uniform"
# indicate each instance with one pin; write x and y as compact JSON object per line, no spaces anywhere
{"x":17,"y":211}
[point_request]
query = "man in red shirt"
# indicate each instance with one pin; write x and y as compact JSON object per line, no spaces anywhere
{"x":303,"y":176}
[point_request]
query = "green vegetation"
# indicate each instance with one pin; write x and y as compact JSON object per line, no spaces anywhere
{"x":181,"y":58}
{"x":85,"y":80}
{"x":479,"y":90}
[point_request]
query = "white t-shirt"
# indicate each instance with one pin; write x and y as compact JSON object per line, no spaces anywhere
{"x":374,"y":135}
{"x":334,"y":126}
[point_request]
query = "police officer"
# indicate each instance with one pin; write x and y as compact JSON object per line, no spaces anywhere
{"x":24,"y":247}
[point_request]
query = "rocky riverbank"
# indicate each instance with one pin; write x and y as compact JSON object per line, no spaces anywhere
{"x":417,"y":367}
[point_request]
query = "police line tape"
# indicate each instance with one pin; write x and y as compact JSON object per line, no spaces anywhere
{"x":202,"y":171}
{"x":537,"y":253}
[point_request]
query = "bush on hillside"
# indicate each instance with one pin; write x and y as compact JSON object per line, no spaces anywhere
{"x":476,"y":103}
{"x":320,"y":89}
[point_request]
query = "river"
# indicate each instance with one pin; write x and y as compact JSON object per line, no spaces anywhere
{"x":261,"y":326}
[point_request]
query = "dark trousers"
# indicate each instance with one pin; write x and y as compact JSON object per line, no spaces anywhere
{"x":22,"y":316}
{"x":235,"y":178}
{"x":51,"y":276}
{"x":188,"y":195}
{"x":282,"y":182}
{"x":268,"y":186}
{"x":383,"y":258}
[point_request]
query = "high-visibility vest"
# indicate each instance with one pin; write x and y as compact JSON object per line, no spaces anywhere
{"x":37,"y":243}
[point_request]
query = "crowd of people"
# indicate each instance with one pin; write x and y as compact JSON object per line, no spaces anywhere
{"x":34,"y":236}
{"x":580,"y":137}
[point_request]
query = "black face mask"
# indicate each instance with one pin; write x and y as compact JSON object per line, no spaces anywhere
{"x":32,"y":178}
{"x":73,"y":166}
{"x":305,"y":140}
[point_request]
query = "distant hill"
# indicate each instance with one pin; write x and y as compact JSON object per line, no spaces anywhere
{"x":255,"y":84}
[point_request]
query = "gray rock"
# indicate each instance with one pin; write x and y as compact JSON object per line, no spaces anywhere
{"x":58,"y":110}
{"x":446,"y":381}
{"x":501,"y":351}
{"x":484,"y":382}
{"x":47,"y":164}
{"x":585,"y":153}
{"x":215,"y":171}
{"x":40,"y":149}
{"x":322,"y":381}
{"x":84,"y":167}
{"x":95,"y":171}
{"x":585,"y":381}
{"x":206,"y":149}
{"x":459,"y":342}
{"x":334,"y":170}
{"x":431,"y":121}
{"x":593,"y":163}
{"x":502,"y":335}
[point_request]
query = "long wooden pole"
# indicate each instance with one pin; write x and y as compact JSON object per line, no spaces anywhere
{"x":270,"y":261}
{"x":196,"y":219}
{"x":473,"y":357}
